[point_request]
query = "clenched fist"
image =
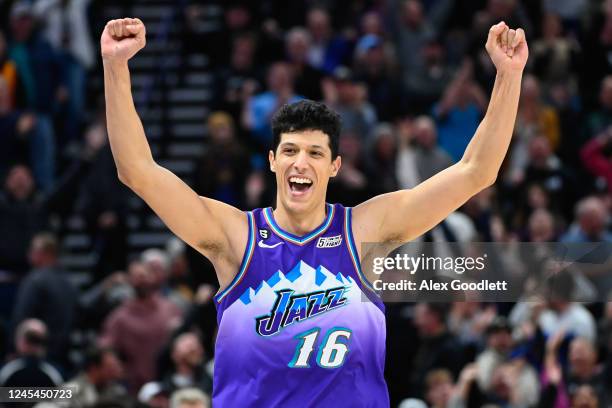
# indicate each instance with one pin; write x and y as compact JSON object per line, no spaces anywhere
{"x":507,"y":48}
{"x":122,"y":39}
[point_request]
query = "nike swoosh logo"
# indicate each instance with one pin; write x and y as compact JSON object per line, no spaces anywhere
{"x":262,"y":244}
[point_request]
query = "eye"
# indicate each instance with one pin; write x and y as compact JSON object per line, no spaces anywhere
{"x":289,"y":150}
{"x":316,"y":153}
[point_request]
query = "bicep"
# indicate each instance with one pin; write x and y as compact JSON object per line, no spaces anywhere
{"x":201,"y":222}
{"x":406,"y":214}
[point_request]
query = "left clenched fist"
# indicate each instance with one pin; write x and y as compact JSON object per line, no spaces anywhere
{"x":507,"y":48}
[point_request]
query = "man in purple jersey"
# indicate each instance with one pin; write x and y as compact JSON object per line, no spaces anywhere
{"x":293,"y":326}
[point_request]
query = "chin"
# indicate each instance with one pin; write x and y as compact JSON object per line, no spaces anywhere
{"x":299,"y":204}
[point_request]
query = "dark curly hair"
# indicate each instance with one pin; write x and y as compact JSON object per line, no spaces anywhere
{"x":307,"y":115}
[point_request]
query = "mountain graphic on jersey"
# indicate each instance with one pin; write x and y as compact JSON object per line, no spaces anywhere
{"x":302,"y":277}
{"x":287,"y":299}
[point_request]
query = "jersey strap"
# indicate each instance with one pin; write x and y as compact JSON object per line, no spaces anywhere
{"x":348,"y":232}
{"x":246,"y":259}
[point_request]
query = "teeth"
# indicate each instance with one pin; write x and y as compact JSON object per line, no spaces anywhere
{"x":300,"y":180}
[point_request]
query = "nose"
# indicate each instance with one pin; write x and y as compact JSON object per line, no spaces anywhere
{"x":301,"y":161}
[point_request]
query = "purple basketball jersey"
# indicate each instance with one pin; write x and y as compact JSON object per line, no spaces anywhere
{"x":296,"y":327}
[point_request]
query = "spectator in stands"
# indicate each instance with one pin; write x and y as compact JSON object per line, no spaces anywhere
{"x":223,"y":168}
{"x":29,"y":367}
{"x":459,"y":112}
{"x":327,"y":50}
{"x":97,"y":302}
{"x":590,"y":223}
{"x":154,"y":395}
{"x":499,"y":344}
{"x":158,"y":262}
{"x":533,"y":197}
{"x":139,"y":328}
{"x":541,"y":226}
{"x":437,"y":348}
{"x":24,"y":210}
{"x":601,"y":120}
{"x":180,"y":278}
{"x":200,"y":318}
{"x":596,"y":43}
{"x":407,"y":172}
{"x":100,"y":379}
{"x":545,"y":169}
{"x":102,"y":201}
{"x":469,"y":319}
{"x":430,"y":158}
{"x":571,"y":11}
{"x":565,"y":100}
{"x":237,"y":81}
{"x":350,"y":100}
{"x":189,"y":398}
{"x":534,"y":118}
{"x":307,"y":78}
{"x":382,"y":158}
{"x":23,"y":139}
{"x":480,"y":209}
{"x":605,"y":334}
{"x":260,"y":108}
{"x":411,"y":30}
{"x":40,"y":71}
{"x":65,"y":25}
{"x":47,"y":294}
{"x":509,"y":387}
{"x":582,"y":370}
{"x":8,"y":72}
{"x":555,"y":56}
{"x":374,"y":65}
{"x":439,"y":383}
{"x":425,"y":85}
{"x":18,"y":129}
{"x":18,"y":188}
{"x":188,"y":368}
{"x":597,"y":156}
{"x":561,"y":313}
{"x":351,"y":185}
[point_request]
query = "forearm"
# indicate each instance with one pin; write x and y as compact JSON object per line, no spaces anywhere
{"x":485,"y":153}
{"x":128,"y":142}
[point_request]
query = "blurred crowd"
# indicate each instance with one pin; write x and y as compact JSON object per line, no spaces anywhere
{"x":411,"y":80}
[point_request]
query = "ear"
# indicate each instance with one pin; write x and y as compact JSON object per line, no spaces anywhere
{"x":272,"y":160}
{"x":336,"y":164}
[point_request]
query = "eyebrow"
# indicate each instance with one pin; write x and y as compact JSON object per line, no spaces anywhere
{"x":291,"y":144}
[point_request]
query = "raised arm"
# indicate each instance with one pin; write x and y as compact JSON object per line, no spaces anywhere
{"x":201,"y":222}
{"x":406,"y":214}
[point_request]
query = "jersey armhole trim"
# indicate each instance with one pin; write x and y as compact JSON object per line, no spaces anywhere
{"x":348,"y":232}
{"x":246,"y":260}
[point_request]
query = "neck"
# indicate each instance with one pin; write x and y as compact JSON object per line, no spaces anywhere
{"x":184,"y":369}
{"x":299,"y":223}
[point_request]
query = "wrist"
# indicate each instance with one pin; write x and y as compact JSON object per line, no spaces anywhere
{"x":509,"y":74}
{"x":112,"y":63}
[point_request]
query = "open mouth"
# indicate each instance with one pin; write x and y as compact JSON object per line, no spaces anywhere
{"x":299,"y":185}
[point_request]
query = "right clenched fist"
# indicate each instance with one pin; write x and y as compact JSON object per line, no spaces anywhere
{"x":122,"y":39}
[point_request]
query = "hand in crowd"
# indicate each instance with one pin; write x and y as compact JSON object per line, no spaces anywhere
{"x":26,"y":123}
{"x":204,"y":294}
{"x":115,"y":279}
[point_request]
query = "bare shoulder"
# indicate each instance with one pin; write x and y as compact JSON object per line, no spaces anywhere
{"x":370,"y":217}
{"x":225,"y":255}
{"x":232,"y":220}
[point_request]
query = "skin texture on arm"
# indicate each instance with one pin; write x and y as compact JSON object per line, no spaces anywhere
{"x":203,"y":223}
{"x":406,"y":214}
